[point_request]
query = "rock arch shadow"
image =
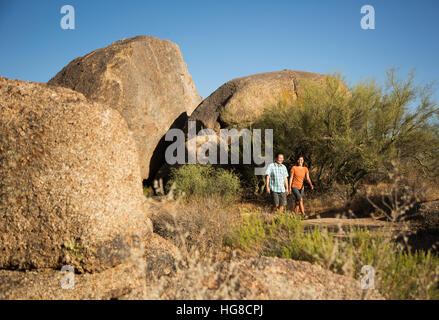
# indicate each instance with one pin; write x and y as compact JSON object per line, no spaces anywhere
{"x":158,"y":156}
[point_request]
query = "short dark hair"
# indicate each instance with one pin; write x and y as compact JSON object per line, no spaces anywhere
{"x":278,"y":154}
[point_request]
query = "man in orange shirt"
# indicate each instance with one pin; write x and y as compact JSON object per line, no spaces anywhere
{"x":298,"y":174}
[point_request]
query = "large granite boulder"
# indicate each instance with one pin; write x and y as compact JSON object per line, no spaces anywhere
{"x":146,"y":80}
{"x":70,"y":184}
{"x":243,"y":100}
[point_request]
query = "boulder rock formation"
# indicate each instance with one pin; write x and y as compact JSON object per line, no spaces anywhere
{"x":47,"y":284}
{"x":161,"y":257}
{"x":146,"y":80}
{"x":157,"y":260}
{"x":242,"y":100}
{"x":257,"y":278}
{"x":70,"y":184}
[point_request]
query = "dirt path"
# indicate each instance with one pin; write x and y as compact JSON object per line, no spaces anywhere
{"x":343,"y":224}
{"x":419,"y":231}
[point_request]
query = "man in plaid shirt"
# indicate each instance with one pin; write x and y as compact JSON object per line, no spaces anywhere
{"x":276,"y":182}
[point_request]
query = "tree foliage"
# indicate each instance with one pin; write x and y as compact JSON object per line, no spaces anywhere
{"x":347,"y":136}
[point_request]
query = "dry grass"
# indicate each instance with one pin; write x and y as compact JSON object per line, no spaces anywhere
{"x":197,"y":226}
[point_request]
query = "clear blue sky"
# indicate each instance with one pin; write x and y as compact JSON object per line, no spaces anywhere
{"x":222,"y":40}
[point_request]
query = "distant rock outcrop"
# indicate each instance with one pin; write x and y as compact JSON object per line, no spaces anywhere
{"x":70,"y":184}
{"x":243,"y":100}
{"x":146,"y":80}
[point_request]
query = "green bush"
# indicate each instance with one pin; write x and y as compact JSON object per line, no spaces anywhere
{"x":204,"y":181}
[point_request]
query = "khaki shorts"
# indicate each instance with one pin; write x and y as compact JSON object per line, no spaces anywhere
{"x":279,"y":198}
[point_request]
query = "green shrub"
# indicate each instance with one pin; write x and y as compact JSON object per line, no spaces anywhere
{"x":249,"y":233}
{"x":148,"y":191}
{"x":204,"y":181}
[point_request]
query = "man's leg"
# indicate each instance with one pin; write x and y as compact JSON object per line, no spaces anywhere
{"x":282,"y":201}
{"x":275,"y":201}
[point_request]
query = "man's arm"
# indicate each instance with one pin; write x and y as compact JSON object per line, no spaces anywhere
{"x":309,"y":180}
{"x":286,"y":185}
{"x":267,"y":178}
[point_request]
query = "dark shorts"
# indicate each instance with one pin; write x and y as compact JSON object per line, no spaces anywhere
{"x":279,"y":198}
{"x":298,"y":194}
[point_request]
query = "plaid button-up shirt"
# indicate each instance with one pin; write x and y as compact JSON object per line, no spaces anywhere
{"x":277,"y":173}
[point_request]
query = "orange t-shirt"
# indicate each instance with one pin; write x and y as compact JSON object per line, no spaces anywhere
{"x":298,"y":174}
